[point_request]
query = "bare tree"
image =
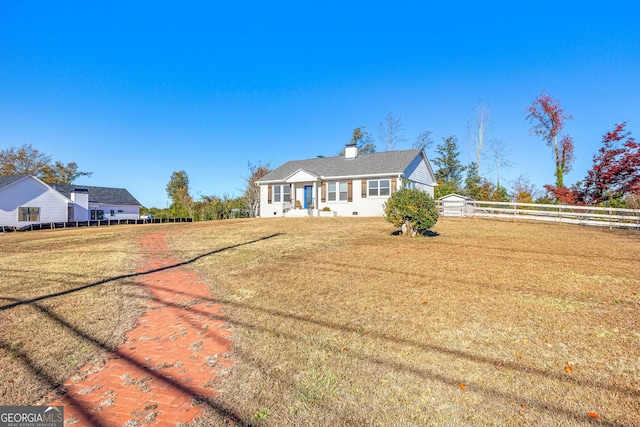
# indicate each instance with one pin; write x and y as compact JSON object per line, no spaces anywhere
{"x":523,"y":191}
{"x":423,"y":140}
{"x":390,"y":131}
{"x":252,"y":191}
{"x":499,"y":157}
{"x":477,"y":129}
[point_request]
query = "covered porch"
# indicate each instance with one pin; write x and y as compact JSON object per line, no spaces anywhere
{"x":305,"y":194}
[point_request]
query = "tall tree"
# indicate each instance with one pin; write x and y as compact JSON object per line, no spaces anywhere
{"x":616,"y":168}
{"x":548,"y":120}
{"x":450,"y":170}
{"x":472,"y":181}
{"x":499,"y":157}
{"x":178,"y":192}
{"x":362,"y":139}
{"x":27,"y":160}
{"x":423,"y":140}
{"x":477,"y":128}
{"x":390,"y":131}
{"x":615,"y":174}
{"x":252,"y":191}
{"x":65,"y":173}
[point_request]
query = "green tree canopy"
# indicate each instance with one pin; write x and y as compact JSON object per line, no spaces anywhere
{"x":178,"y":192}
{"x":412,"y":209}
{"x":361,"y":138}
{"x":27,"y":160}
{"x":450,"y":170}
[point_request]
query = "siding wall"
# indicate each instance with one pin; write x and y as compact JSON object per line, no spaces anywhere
{"x":419,"y":172}
{"x":361,"y":206}
{"x":30,"y":193}
{"x":129,"y":212}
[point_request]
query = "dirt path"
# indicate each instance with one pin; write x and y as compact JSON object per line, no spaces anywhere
{"x":168,"y":361}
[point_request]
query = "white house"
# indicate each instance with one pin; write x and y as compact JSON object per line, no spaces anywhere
{"x":25,"y":200}
{"x":348,"y":185}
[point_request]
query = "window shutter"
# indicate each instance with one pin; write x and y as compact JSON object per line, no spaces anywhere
{"x":323,"y":196}
{"x":394,"y":185}
{"x":270,"y":195}
{"x":350,"y":191}
{"x":364,"y":188}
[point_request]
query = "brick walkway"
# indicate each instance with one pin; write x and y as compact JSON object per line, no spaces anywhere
{"x":168,"y":361}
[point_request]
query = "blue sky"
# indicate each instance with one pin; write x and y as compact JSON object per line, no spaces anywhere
{"x":133,"y":91}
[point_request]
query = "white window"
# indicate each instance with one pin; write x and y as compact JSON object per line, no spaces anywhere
{"x":28,"y":214}
{"x":379,"y":187}
{"x":286,"y":193}
{"x":281,"y":193}
{"x":337,"y":191}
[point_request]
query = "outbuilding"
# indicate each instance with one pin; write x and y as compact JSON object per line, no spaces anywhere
{"x":456,"y":205}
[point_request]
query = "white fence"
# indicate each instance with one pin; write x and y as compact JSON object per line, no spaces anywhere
{"x":583,"y":215}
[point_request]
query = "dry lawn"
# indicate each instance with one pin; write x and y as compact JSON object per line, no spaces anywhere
{"x":44,"y":342}
{"x":338,"y":322}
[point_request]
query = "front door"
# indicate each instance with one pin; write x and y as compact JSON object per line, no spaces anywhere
{"x":308,"y":196}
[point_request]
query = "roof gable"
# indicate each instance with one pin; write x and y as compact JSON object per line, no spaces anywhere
{"x":7,"y":181}
{"x":373,"y":164}
{"x":301,"y":176}
{"x":104,"y":195}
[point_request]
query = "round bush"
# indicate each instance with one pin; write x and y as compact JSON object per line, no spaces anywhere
{"x":413,"y":208}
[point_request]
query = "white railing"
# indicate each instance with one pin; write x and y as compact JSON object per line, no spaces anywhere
{"x":583,"y":215}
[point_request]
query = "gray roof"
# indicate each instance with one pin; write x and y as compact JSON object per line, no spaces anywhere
{"x":6,"y":180}
{"x":104,"y":195}
{"x":383,"y":163}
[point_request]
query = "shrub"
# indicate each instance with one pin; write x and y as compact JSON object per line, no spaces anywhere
{"x":413,"y":210}
{"x":326,"y":209}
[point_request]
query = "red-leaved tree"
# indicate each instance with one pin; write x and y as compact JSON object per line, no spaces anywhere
{"x":615,"y":173}
{"x":548,"y":120}
{"x":616,"y":168}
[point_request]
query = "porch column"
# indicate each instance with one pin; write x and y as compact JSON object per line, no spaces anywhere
{"x":293,"y":195}
{"x":315,"y":195}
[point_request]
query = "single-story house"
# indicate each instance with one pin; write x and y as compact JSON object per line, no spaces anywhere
{"x":25,"y":200}
{"x":347,"y":185}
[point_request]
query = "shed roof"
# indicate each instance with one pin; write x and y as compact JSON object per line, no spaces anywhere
{"x":455,"y":196}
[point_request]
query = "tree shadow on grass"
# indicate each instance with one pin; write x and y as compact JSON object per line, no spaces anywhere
{"x":85,"y":408}
{"x":230,"y":414}
{"x":34,"y":367}
{"x":131,"y":275}
{"x":427,"y":233}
